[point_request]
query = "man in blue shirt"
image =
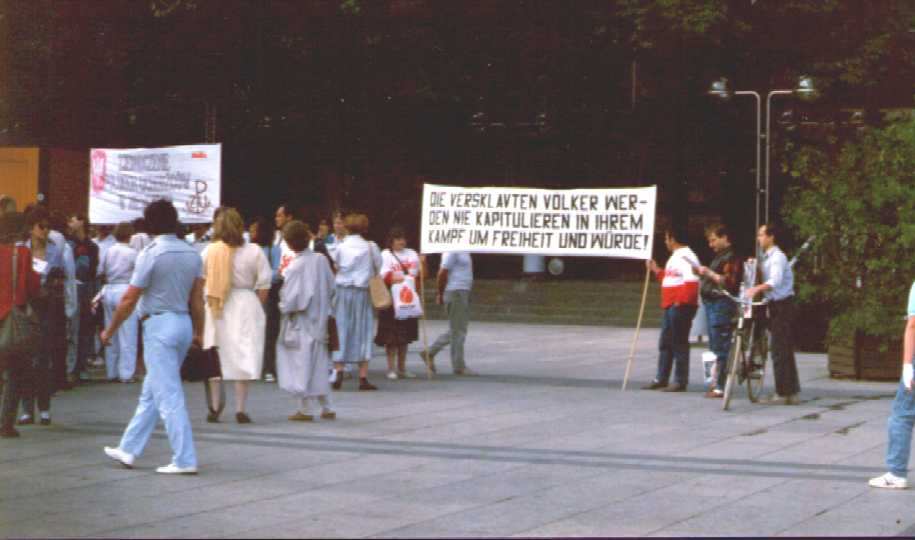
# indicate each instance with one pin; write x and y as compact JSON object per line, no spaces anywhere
{"x":902,"y":416}
{"x":167,"y":289}
{"x":778,"y":288}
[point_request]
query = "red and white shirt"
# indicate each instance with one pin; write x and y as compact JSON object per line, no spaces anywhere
{"x":679,"y":284}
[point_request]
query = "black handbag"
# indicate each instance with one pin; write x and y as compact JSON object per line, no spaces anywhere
{"x":200,"y":364}
{"x":20,"y":331}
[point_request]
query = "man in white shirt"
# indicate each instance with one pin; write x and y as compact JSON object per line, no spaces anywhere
{"x":454,"y":281}
{"x":778,"y":288}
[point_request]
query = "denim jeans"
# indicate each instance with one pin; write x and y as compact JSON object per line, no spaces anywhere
{"x":719,"y":313}
{"x":673,"y":346}
{"x":166,"y":339}
{"x":899,"y":431}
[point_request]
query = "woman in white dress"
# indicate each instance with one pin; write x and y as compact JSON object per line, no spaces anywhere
{"x":237,"y":280}
{"x":398,"y":263}
{"x":302,"y":356}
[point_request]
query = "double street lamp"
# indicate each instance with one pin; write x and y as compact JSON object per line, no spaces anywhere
{"x":719,"y":88}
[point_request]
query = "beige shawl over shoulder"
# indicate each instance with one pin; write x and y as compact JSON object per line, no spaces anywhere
{"x":218,"y":276}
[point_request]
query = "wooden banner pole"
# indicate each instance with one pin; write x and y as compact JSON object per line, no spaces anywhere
{"x":422,"y":301}
{"x":638,"y":327}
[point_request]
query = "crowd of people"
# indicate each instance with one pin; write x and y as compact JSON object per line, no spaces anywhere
{"x":295,"y":307}
{"x":278,"y":302}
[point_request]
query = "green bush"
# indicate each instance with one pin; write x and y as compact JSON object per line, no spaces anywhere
{"x":859,"y":201}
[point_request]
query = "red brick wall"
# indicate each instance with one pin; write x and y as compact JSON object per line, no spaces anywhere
{"x":68,"y":179}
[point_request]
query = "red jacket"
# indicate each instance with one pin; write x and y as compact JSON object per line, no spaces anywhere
{"x":29,"y":282}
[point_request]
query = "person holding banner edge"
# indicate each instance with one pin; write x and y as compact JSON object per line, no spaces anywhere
{"x":679,"y":300}
{"x":454,"y":281}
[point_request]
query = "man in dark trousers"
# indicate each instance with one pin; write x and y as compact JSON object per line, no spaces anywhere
{"x":778,"y":288}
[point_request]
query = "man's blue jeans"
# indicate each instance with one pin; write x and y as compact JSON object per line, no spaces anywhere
{"x":673,"y":346}
{"x":899,"y":430}
{"x":719,"y":312}
{"x":166,"y":339}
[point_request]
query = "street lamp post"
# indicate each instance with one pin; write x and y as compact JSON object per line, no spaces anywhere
{"x":720,"y":89}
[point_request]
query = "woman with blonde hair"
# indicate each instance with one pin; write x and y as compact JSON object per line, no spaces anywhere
{"x":357,"y":261}
{"x":237,"y":280}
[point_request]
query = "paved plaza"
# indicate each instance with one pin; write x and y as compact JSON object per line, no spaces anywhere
{"x":543,"y":443}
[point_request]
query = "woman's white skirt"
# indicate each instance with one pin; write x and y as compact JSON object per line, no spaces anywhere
{"x":239,"y":335}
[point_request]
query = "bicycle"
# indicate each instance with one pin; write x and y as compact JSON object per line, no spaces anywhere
{"x":749,"y":350}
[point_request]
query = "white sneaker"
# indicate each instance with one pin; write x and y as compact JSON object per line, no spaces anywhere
{"x":171,"y":468}
{"x":120,"y":456}
{"x":333,"y":376}
{"x":406,"y":375}
{"x":391,"y":376}
{"x":889,"y":481}
{"x":269,"y":378}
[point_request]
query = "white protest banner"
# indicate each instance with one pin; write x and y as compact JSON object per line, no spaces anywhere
{"x":123,"y":181}
{"x":615,"y":222}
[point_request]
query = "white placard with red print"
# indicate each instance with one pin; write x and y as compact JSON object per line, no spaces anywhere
{"x":123,"y":181}
{"x":617,"y":222}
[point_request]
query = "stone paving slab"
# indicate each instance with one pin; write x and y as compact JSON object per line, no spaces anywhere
{"x":543,"y":443}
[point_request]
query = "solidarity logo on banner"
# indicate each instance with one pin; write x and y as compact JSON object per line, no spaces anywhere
{"x":615,"y":222}
{"x":123,"y":181}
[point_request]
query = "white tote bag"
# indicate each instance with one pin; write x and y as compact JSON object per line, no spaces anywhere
{"x":406,"y":299}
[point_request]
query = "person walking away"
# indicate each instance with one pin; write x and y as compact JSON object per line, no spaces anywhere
{"x":115,"y":269}
{"x":237,"y":281}
{"x":302,"y":353}
{"x":167,"y":291}
{"x":279,"y":252}
{"x":679,"y":296}
{"x":454,"y":282}
{"x":13,"y":295}
{"x":724,"y":272}
{"x":778,"y":288}
{"x":47,"y":262}
{"x":357,"y":260}
{"x":902,"y":413}
{"x":398,"y":264}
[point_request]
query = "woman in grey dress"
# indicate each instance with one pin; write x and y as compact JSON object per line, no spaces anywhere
{"x":302,"y":355}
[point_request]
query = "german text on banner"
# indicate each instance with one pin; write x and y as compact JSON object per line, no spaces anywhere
{"x":123,"y":181}
{"x":615,"y":222}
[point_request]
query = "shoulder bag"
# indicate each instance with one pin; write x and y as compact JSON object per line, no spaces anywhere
{"x":381,"y":296}
{"x":19,"y":331}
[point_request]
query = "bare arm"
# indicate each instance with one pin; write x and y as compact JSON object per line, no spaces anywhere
{"x":197,"y":313}
{"x":262,"y":295}
{"x":908,"y":341}
{"x":125,"y":308}
{"x":441,"y":281}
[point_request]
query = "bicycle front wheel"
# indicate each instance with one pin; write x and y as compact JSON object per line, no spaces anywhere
{"x":735,"y":360}
{"x":756,"y":367}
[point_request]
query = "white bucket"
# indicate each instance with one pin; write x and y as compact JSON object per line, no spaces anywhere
{"x":710,"y":367}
